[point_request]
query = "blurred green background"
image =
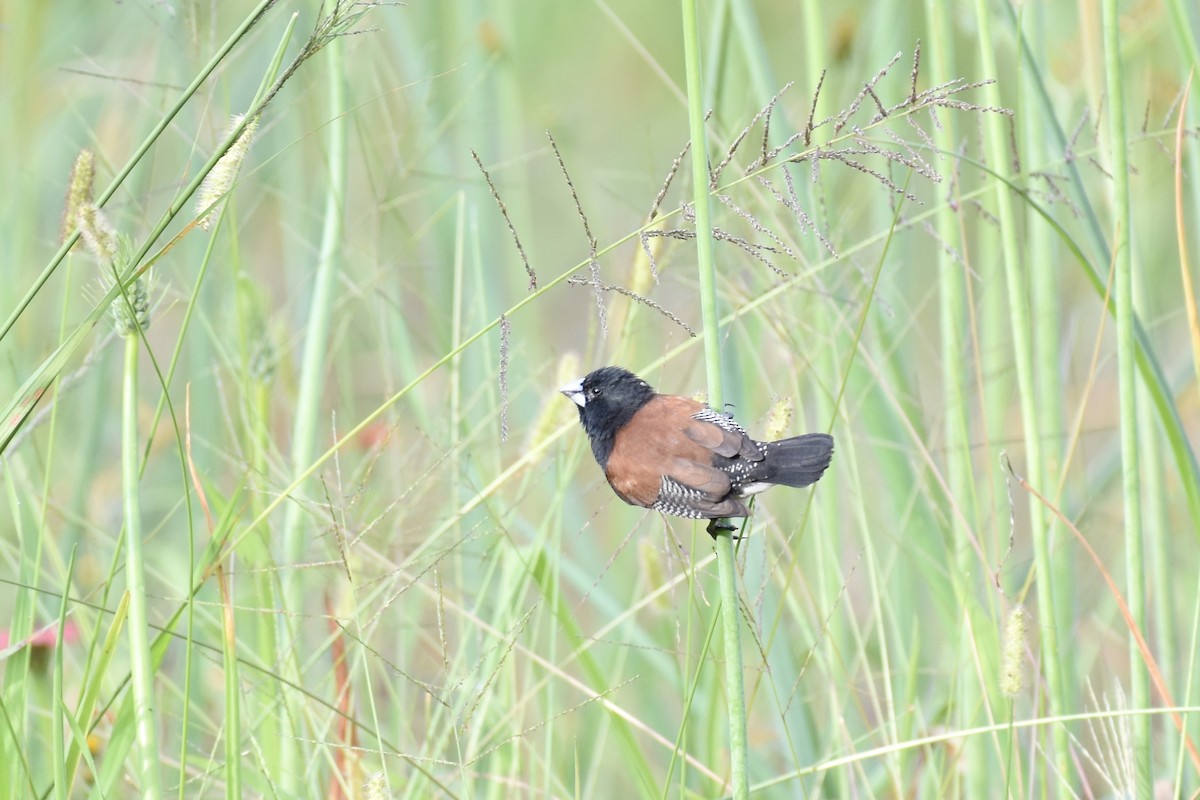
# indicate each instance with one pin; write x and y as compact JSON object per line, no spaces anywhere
{"x":504,"y":625}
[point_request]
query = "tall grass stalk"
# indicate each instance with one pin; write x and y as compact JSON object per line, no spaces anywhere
{"x":308,"y":418}
{"x":1020,"y":325}
{"x":1153,"y":376}
{"x":1135,"y":565}
{"x":17,"y":691}
{"x":86,"y":706}
{"x":142,"y":677}
{"x":735,"y":689}
{"x":1042,"y":251}
{"x":58,"y":765}
{"x":953,"y":319}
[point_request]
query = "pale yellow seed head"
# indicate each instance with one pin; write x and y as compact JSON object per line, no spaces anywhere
{"x":376,"y":787}
{"x":778,"y":419}
{"x":97,"y":234}
{"x":1012,"y":658}
{"x":79,"y":191}
{"x":220,"y":180}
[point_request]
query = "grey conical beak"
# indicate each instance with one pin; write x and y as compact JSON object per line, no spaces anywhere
{"x":574,"y":391}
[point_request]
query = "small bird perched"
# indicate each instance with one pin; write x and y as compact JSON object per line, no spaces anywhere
{"x":681,"y":457}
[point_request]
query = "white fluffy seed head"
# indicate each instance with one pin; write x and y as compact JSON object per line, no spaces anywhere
{"x":220,"y":180}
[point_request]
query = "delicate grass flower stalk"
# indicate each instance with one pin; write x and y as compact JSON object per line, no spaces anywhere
{"x":220,"y":180}
{"x":130,"y":314}
{"x":130,"y":311}
{"x":79,"y":191}
{"x":1012,"y":655}
{"x":97,"y":234}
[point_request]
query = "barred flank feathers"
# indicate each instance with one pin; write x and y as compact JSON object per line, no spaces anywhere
{"x":220,"y":180}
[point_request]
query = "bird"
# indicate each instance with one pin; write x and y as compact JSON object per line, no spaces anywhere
{"x":679,"y":456}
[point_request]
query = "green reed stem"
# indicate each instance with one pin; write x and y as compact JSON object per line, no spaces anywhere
{"x":314,"y":366}
{"x":735,"y":689}
{"x":1019,"y":329}
{"x":58,"y":756}
{"x":1135,"y":567}
{"x":142,"y":670}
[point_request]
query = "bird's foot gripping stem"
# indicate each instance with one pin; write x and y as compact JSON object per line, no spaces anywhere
{"x":718,"y":526}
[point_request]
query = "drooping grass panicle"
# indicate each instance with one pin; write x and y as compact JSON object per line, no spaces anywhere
{"x":792,"y":203}
{"x":593,"y":246}
{"x":505,"y":337}
{"x":666,"y":185}
{"x":508,"y":221}
{"x":764,"y":114}
{"x":220,"y":180}
{"x":577,"y":280}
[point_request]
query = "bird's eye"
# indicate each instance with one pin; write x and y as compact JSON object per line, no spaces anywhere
{"x":594,"y":391}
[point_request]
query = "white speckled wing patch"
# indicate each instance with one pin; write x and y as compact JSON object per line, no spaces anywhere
{"x":738,"y":470}
{"x":723,"y":421}
{"x":678,"y":500}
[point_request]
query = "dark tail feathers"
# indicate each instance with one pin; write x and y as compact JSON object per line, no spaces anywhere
{"x":798,"y":461}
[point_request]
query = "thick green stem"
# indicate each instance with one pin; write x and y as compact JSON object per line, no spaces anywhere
{"x":135,"y":575}
{"x":316,"y":342}
{"x":735,"y":689}
{"x":706,"y":261}
{"x":1019,"y":330}
{"x":1135,"y":567}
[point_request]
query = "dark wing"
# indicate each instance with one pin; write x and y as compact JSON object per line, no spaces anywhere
{"x":719,"y":433}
